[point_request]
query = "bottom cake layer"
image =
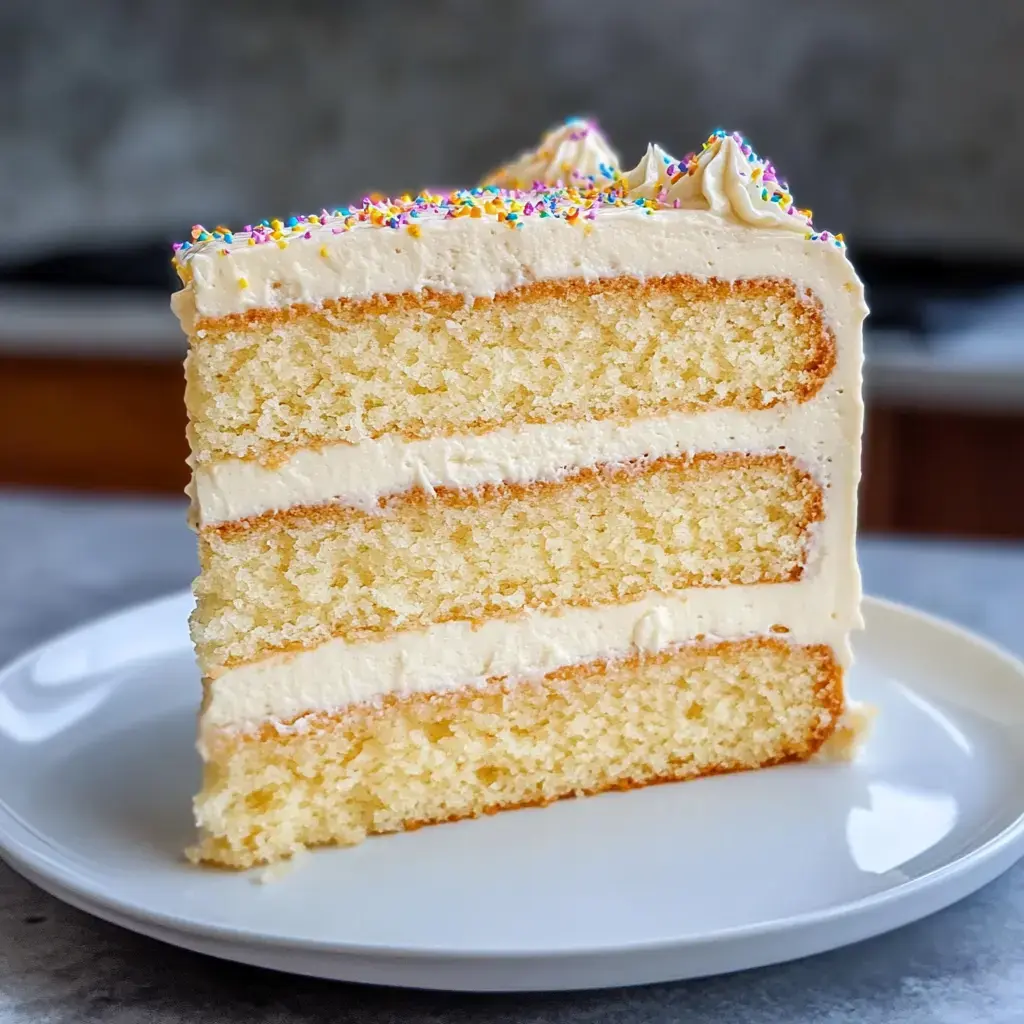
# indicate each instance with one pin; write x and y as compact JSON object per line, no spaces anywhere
{"x":409,"y":761}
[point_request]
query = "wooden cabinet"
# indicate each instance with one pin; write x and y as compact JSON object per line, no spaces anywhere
{"x":943,"y":472}
{"x":93,"y":424}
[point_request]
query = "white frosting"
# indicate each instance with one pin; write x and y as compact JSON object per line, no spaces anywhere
{"x":359,"y":474}
{"x":734,"y":186}
{"x":821,"y":609}
{"x":727,"y":178}
{"x":572,"y":153}
{"x":687,"y":213}
{"x":482,"y":257}
{"x":650,"y":178}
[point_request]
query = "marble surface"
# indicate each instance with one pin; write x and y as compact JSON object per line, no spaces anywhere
{"x":64,"y":560}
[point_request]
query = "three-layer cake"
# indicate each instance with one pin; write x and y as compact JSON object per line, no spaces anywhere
{"x":535,"y":489}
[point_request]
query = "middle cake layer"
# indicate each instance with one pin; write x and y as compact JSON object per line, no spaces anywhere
{"x":298,"y":578}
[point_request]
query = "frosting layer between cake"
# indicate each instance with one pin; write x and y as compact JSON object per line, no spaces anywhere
{"x":821,"y":609}
{"x":814,"y":432}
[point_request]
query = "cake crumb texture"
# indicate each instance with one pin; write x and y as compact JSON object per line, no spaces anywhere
{"x":428,"y":758}
{"x":602,"y":536}
{"x":263,"y":384}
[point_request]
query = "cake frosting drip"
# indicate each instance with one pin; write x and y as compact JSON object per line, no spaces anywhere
{"x":574,"y":153}
{"x":727,"y":178}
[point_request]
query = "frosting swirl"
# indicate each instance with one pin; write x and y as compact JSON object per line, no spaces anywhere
{"x":652,"y":177}
{"x":727,"y":178}
{"x":574,"y":153}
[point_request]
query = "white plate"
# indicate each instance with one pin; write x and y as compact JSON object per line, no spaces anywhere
{"x":97,"y":768}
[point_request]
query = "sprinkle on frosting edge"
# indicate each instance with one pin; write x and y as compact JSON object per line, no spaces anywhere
{"x":573,"y":176}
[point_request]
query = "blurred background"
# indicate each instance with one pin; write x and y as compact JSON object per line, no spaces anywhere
{"x":123,"y":122}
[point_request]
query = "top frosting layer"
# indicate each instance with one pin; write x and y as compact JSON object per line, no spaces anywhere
{"x":726,"y":179}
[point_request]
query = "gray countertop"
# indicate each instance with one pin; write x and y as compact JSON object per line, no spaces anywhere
{"x":64,"y":560}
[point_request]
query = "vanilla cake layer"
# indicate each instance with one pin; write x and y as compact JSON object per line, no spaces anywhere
{"x":434,"y":757}
{"x":432,"y":364}
{"x":296,"y":579}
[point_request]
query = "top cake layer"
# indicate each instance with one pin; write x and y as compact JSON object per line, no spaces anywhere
{"x":488,"y":240}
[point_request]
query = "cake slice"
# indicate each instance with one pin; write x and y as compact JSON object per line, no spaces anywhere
{"x":531,"y":490}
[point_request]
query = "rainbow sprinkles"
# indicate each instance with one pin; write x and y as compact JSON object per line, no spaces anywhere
{"x":573,"y":177}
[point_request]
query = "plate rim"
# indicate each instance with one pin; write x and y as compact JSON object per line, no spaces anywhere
{"x":46,"y":871}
